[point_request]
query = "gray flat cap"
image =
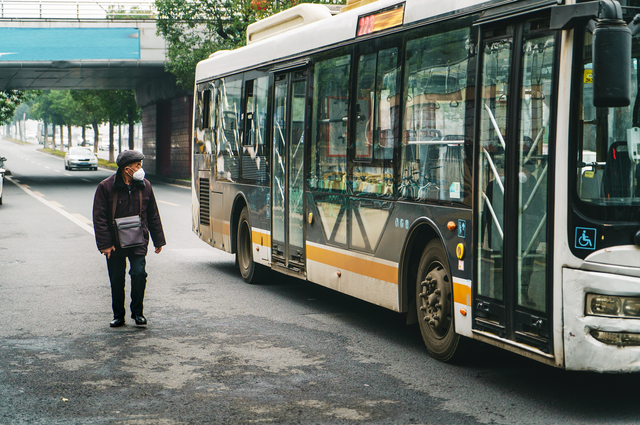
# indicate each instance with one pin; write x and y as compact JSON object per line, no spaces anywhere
{"x":128,"y":157}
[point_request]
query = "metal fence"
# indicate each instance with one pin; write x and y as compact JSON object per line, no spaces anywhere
{"x":76,"y":9}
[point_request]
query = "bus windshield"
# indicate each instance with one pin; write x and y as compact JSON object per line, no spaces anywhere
{"x":608,"y":151}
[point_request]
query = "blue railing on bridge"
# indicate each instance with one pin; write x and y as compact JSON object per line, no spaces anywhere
{"x":76,"y":10}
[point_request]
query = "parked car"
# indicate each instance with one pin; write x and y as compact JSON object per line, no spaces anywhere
{"x":2,"y":171}
{"x":80,"y":157}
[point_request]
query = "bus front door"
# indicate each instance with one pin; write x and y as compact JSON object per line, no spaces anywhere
{"x":515,"y":135}
{"x":287,"y":181}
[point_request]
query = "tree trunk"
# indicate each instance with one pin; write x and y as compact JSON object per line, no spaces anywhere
{"x":111,"y":157}
{"x":19,"y":124}
{"x":45,"y":136}
{"x":119,"y":138}
{"x":96,"y":136}
{"x":131,"y":130}
{"x":70,"y":140}
{"x":84,"y":135}
{"x":53,"y":136}
{"x":62,"y":137}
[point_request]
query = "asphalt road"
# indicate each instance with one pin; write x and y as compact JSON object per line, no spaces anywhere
{"x":219,"y":351}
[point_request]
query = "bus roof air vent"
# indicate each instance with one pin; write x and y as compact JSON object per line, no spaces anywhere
{"x":298,"y":16}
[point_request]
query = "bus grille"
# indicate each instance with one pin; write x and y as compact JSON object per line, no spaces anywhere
{"x":204,"y":202}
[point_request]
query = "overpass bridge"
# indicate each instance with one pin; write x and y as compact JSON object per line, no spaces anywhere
{"x":91,"y":45}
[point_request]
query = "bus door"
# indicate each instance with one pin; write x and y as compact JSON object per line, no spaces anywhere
{"x":287,"y":181}
{"x":515,"y":110}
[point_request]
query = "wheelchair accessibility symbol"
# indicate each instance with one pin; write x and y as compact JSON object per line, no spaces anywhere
{"x":585,"y":238}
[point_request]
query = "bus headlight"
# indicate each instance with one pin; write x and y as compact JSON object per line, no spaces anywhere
{"x":610,"y":305}
{"x":617,"y":338}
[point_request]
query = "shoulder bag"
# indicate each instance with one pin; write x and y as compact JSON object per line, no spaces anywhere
{"x":128,"y":230}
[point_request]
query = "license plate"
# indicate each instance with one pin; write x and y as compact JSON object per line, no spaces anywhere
{"x":84,"y":163}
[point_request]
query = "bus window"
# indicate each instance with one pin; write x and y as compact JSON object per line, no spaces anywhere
{"x":229,"y":130}
{"x":205,"y":109}
{"x":330,"y":129}
{"x":254,"y":154}
{"x":433,"y":158}
{"x":376,"y":116}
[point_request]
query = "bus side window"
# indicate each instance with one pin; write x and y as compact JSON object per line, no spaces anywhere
{"x":433,"y":155}
{"x":206,"y":110}
{"x":255,"y":149}
{"x":375,"y":118}
{"x":229,"y":131}
{"x":330,"y":126}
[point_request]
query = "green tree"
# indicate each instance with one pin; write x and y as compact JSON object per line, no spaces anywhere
{"x":91,"y":104}
{"x":9,"y":101}
{"x":195,"y":29}
{"x":41,"y":110}
{"x":120,"y":107}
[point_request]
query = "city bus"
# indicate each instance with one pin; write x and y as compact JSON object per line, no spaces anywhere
{"x":472,"y":164}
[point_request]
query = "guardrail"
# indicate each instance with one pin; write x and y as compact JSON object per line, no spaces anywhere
{"x":77,"y":9}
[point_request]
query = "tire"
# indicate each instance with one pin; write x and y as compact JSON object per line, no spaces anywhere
{"x":250,"y":271}
{"x":434,"y":303}
{"x":66,"y":167}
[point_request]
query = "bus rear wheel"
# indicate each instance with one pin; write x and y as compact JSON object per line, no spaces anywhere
{"x":434,"y":302}
{"x":250,"y":271}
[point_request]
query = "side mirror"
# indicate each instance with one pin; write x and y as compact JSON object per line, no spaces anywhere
{"x":611,"y":58}
{"x":611,"y":47}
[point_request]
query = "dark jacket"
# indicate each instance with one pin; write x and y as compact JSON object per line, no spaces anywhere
{"x":128,"y":205}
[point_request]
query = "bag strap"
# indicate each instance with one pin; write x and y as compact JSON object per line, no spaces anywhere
{"x":114,"y":202}
{"x":140,"y":198}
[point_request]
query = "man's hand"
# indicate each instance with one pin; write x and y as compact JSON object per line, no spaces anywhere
{"x":158,"y":249}
{"x":108,"y":251}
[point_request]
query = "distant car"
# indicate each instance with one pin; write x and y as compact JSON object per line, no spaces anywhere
{"x":2,"y":160}
{"x":80,"y":158}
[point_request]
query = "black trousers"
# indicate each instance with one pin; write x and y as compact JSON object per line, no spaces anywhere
{"x":117,"y":267}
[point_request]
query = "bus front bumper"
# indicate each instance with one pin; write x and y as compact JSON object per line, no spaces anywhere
{"x":599,"y":343}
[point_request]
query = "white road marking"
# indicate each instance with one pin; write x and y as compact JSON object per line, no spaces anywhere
{"x":35,"y":192}
{"x":82,"y":218}
{"x":67,"y":174}
{"x":46,"y":167}
{"x":56,"y":204}
{"x":75,"y":220}
{"x":57,"y":171}
{"x":86,"y":180}
{"x":168,"y":203}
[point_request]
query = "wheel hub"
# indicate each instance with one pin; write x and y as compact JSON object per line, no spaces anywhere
{"x":435,"y":301}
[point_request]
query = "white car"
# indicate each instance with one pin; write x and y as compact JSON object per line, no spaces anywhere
{"x":2,"y":160}
{"x":80,"y":158}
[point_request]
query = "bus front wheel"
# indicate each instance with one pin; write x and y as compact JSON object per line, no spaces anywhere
{"x":434,"y":303}
{"x":249,"y":270}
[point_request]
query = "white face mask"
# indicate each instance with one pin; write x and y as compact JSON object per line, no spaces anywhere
{"x":523,"y":177}
{"x":139,"y":175}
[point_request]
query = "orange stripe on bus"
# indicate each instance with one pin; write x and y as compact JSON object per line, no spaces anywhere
{"x":460,"y":293}
{"x":353,"y":264}
{"x":257,"y":236}
{"x":226,"y":229}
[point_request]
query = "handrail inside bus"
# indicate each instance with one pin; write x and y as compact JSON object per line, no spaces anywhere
{"x":535,"y":144}
{"x":536,"y":187}
{"x":493,"y":214}
{"x":535,"y":235}
{"x":495,"y":126}
{"x":495,"y":171}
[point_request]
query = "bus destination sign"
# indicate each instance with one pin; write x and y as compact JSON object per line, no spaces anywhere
{"x":380,"y":20}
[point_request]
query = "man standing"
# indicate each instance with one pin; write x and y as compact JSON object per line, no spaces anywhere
{"x":127,"y":186}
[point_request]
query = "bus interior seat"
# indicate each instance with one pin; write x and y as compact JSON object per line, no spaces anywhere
{"x":617,"y":170}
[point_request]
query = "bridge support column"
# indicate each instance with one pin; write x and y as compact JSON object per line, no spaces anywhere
{"x":166,"y":128}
